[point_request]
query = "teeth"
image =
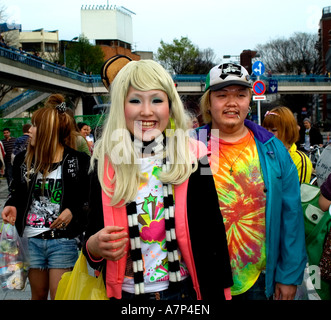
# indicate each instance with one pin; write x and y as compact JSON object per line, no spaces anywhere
{"x":147,"y":124}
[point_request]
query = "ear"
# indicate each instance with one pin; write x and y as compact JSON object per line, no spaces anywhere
{"x":111,"y":67}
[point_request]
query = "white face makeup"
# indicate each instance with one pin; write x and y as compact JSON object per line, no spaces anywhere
{"x":146,"y":113}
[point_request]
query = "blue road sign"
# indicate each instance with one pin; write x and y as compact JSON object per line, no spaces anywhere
{"x":258,"y":68}
{"x":258,"y":87}
{"x":273,"y":86}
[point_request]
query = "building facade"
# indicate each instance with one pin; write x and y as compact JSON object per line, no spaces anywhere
{"x":110,"y":27}
{"x":324,"y":47}
{"x":45,"y":43}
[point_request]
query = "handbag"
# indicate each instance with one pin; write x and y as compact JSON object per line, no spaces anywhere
{"x":325,"y":263}
{"x":78,"y":284}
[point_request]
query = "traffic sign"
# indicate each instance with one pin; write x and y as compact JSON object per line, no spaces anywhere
{"x":258,"y":68}
{"x":259,"y":87}
{"x":273,"y":86}
{"x":258,"y":98}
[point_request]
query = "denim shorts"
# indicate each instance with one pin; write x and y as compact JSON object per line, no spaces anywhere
{"x":59,"y":253}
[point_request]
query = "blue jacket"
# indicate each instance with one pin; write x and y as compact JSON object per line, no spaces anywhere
{"x":285,"y":234}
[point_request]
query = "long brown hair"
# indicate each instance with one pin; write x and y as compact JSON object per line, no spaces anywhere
{"x":53,"y":128}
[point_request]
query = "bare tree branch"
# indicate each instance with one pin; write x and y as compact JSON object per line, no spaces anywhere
{"x":291,"y":56}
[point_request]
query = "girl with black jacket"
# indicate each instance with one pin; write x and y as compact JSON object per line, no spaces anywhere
{"x":46,"y":204}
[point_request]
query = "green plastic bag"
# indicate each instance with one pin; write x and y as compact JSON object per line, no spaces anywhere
{"x":317,"y":226}
{"x":79,"y":285}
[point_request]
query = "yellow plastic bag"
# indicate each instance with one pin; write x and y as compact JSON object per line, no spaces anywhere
{"x":79,"y":285}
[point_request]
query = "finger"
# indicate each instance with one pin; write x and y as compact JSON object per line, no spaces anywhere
{"x":115,"y":255}
{"x":58,"y":223}
{"x":54,"y":224}
{"x":105,"y":235}
{"x":113,"y":229}
{"x":12,"y":221}
{"x":113,"y":246}
{"x":118,"y":236}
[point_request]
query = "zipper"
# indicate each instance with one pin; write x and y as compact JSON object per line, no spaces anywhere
{"x":62,"y":178}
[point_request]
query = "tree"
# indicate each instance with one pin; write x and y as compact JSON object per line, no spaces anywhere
{"x":4,"y":88}
{"x":294,"y":55}
{"x":183,"y":57}
{"x":204,"y":62}
{"x":291,"y":56}
{"x":84,"y":57}
{"x":179,"y":56}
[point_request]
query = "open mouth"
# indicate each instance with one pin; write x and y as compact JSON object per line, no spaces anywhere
{"x":230,"y":113}
{"x":146,"y":125}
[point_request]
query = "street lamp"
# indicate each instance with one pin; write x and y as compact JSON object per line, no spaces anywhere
{"x":64,"y":50}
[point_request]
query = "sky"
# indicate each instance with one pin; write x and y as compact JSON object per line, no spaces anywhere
{"x":227,"y":27}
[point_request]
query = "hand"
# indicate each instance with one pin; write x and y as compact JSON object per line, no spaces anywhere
{"x":285,"y":292}
{"x":109,"y":243}
{"x":9,"y":215}
{"x":63,"y":220}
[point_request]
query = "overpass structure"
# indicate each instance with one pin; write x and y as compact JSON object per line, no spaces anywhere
{"x":287,"y":84}
{"x":42,"y":78}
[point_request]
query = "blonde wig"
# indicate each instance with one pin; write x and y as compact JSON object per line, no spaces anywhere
{"x":116,"y":144}
{"x":282,"y":119}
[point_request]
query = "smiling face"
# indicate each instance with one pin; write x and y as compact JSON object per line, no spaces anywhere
{"x":85,"y":131}
{"x":146,"y":113}
{"x":229,"y":107}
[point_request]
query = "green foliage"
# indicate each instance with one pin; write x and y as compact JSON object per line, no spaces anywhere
{"x":178,"y":56}
{"x":82,"y":56}
{"x":183,"y":57}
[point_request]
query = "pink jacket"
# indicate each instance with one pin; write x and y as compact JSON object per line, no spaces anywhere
{"x":116,"y":216}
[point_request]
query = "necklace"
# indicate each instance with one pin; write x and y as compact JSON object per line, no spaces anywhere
{"x":232,"y":164}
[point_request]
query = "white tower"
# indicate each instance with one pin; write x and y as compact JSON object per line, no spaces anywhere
{"x":106,"y":24}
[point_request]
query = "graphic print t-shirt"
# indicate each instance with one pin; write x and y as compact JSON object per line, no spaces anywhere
{"x":242,"y":203}
{"x":45,"y":206}
{"x":150,"y":211}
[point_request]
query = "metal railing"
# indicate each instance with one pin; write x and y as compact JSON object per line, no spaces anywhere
{"x":22,"y":97}
{"x":37,"y":62}
{"x":318,"y":79}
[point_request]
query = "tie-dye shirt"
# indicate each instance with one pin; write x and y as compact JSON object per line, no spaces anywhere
{"x":242,"y":202}
{"x":151,"y":223}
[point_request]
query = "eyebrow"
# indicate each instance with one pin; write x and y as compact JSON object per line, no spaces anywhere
{"x":238,"y":89}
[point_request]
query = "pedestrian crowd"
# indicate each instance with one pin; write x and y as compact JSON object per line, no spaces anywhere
{"x":163,"y":208}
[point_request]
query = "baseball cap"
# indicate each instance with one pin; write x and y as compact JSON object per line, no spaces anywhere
{"x":227,"y":74}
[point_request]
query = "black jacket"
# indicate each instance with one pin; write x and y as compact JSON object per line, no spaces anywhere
{"x":75,"y":184}
{"x":314,"y":134}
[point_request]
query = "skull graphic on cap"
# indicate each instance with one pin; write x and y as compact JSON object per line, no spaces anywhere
{"x":230,"y":69}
